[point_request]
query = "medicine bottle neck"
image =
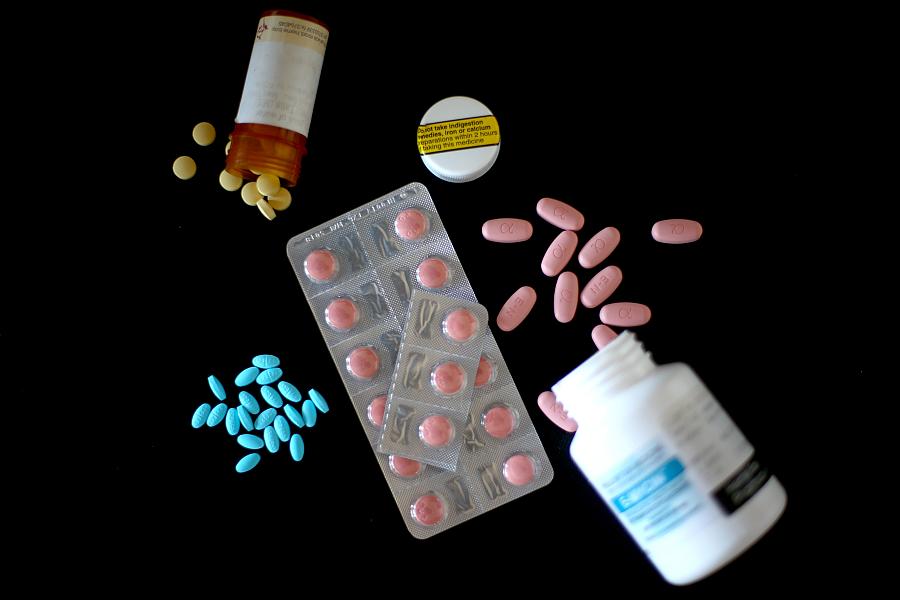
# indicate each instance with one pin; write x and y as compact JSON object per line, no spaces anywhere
{"x":619,"y":365}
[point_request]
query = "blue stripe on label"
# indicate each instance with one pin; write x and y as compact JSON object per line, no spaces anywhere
{"x":649,"y":485}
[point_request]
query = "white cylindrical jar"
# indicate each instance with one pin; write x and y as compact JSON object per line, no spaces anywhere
{"x":667,"y":460}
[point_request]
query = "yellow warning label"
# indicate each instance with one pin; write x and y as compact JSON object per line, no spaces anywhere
{"x":446,"y":136}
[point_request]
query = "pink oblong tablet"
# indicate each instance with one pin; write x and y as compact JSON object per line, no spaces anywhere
{"x":507,"y":231}
{"x":404,"y":467}
{"x":460,"y":325}
{"x":499,"y":421}
{"x":519,"y":469}
{"x":341,"y":314}
{"x":433,"y":273}
{"x":485,"y":373}
{"x":436,"y":431}
{"x":625,"y":314}
{"x":565,"y":298}
{"x":601,"y":286}
{"x":602,"y":335}
{"x":599,"y":247}
{"x":516,"y":308}
{"x":363,"y":363}
{"x":560,"y":214}
{"x":320,"y":265}
{"x":448,"y":378}
{"x":676,"y":231}
{"x":375,"y":411}
{"x":555,"y":412}
{"x":428,"y":510}
{"x":411,"y":224}
{"x":559,"y":253}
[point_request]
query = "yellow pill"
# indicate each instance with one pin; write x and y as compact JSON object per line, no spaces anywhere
{"x":227,"y":148}
{"x":281,"y":200}
{"x":250,"y":194}
{"x":268,"y":185}
{"x":184,"y":167}
{"x":255,"y":172}
{"x":204,"y":133}
{"x":265,"y":209}
{"x":230,"y":182}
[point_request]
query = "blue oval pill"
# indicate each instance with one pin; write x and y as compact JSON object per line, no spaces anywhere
{"x":282,"y":428}
{"x":200,"y":416}
{"x":269,"y":376}
{"x":297,"y":447}
{"x":272,"y":442}
{"x":271,"y":397}
{"x":251,"y":442}
{"x":249,"y":402}
{"x":294,"y":415}
{"x":265,"y":418}
{"x":247,"y":463}
{"x":289,"y":391}
{"x":232,"y":422}
{"x":246,"y":377}
{"x":216,"y":386}
{"x":309,"y":413}
{"x":246,"y":419}
{"x":266,"y":361}
{"x":318,"y":400}
{"x":216,"y":415}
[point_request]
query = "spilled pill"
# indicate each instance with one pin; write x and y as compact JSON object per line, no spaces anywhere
{"x":281,"y":200}
{"x":516,"y":308}
{"x":289,"y":391}
{"x":321,"y":265}
{"x":266,"y":361}
{"x":448,"y":378}
{"x":319,"y":401}
{"x":249,"y":402}
{"x":507,"y":231}
{"x":216,"y":415}
{"x":246,"y":377}
{"x":251,"y":442}
{"x":601,"y":286}
{"x":625,"y":314}
{"x":265,"y":418}
{"x":460,"y":325}
{"x":282,"y":429}
{"x":363,"y":363}
{"x":308,"y":410}
{"x":250,"y":195}
{"x":436,"y":431}
{"x":297,"y":447}
{"x":519,"y":469}
{"x":676,"y":231}
{"x":294,"y":415}
{"x":433,"y":273}
{"x":269,"y":376}
{"x":216,"y":386}
{"x":266,"y":209}
{"x":599,"y":247}
{"x":204,"y":133}
{"x":247,"y":463}
{"x":565,"y":297}
{"x":560,"y":214}
{"x":341,"y":314}
{"x":411,"y":224}
{"x":184,"y":167}
{"x":602,"y":335}
{"x":232,"y":422}
{"x":229,"y":182}
{"x":272,"y":443}
{"x":271,"y":397}
{"x":375,"y":411}
{"x":555,"y":412}
{"x":268,"y":185}
{"x":404,"y":467}
{"x":200,"y":416}
{"x":559,"y":253}
{"x":245,"y":418}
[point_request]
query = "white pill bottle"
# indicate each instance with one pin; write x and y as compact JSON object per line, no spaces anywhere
{"x":667,"y":460}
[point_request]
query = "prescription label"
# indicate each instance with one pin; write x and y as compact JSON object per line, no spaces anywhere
{"x":459,"y":134}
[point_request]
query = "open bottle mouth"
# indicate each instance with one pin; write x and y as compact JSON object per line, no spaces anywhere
{"x":258,"y":148}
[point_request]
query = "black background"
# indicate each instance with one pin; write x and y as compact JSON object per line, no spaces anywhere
{"x":724,"y":118}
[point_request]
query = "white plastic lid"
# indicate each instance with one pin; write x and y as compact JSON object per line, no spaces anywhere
{"x":459,"y":139}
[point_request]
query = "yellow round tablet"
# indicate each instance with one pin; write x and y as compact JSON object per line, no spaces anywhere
{"x":227,"y":148}
{"x":250,"y":194}
{"x":230,"y":182}
{"x":184,"y":167}
{"x":204,"y":133}
{"x":268,"y":185}
{"x":265,"y":209}
{"x":281,"y":200}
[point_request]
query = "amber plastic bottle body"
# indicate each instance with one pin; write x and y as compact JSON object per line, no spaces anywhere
{"x":279,"y":93}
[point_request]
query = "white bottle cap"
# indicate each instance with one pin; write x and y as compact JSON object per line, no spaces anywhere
{"x":459,"y":139}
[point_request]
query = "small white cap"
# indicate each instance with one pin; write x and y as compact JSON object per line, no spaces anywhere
{"x":459,"y":139}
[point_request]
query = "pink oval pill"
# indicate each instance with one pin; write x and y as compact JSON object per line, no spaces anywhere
{"x":507,"y":231}
{"x":559,"y":253}
{"x":363,"y":362}
{"x":676,"y":231}
{"x":560,"y":214}
{"x":433,"y":273}
{"x":320,"y":265}
{"x":601,"y":286}
{"x":404,"y":467}
{"x":516,"y":308}
{"x":565,"y":298}
{"x":485,"y":373}
{"x":555,"y":412}
{"x":602,"y":335}
{"x":428,"y":510}
{"x":341,"y":314}
{"x":436,"y":431}
{"x":448,"y":378}
{"x":460,"y":325}
{"x":375,"y":411}
{"x":625,"y":314}
{"x":519,"y":469}
{"x":599,"y":247}
{"x":499,"y":421}
{"x":411,"y":224}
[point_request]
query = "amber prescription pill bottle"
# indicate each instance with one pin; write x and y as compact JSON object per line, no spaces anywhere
{"x":279,"y":93}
